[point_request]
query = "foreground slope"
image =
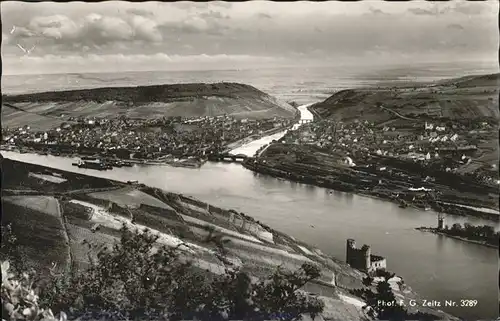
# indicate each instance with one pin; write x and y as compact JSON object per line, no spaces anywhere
{"x":42,"y":110}
{"x":91,"y":211}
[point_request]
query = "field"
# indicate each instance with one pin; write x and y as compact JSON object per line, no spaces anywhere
{"x":84,"y":242}
{"x":130,"y":197}
{"x":44,"y":111}
{"x":38,"y":226}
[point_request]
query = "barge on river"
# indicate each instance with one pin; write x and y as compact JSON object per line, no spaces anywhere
{"x":92,"y":165}
{"x":97,"y":164}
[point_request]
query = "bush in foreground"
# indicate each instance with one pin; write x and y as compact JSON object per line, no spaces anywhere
{"x":384,"y":294}
{"x":139,"y":279}
{"x":19,"y":300}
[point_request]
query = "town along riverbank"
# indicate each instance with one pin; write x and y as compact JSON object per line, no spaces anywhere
{"x":192,"y":152}
{"x":346,"y":179}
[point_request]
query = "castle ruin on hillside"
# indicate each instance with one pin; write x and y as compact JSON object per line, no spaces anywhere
{"x":362,"y":259}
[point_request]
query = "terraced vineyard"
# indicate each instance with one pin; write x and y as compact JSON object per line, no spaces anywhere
{"x":40,"y":229}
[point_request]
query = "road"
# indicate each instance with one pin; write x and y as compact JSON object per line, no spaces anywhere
{"x":396,"y":113}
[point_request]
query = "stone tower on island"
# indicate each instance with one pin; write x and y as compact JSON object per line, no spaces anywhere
{"x":440,"y":221}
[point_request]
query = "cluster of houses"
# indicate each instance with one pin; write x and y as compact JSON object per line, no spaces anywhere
{"x":147,"y":138}
{"x":426,"y":142}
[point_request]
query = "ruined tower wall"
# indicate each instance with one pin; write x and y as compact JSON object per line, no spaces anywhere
{"x":366,"y":251}
{"x":358,"y":258}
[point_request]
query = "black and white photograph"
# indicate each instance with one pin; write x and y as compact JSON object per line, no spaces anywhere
{"x":256,"y":160}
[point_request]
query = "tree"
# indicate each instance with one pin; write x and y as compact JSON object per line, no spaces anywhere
{"x":383,"y":303}
{"x":138,"y":278}
{"x":488,"y":231}
{"x":385,"y":274}
{"x":469,"y":228}
{"x":391,"y":310}
{"x":368,"y":280}
{"x":456,"y":228}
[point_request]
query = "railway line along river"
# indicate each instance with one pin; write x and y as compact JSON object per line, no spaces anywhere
{"x":437,"y":267}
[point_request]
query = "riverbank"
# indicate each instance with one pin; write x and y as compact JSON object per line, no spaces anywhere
{"x":436,"y":231}
{"x":186,"y":162}
{"x":345,"y":181}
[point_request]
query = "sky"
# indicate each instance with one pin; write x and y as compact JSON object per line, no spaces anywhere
{"x":121,"y":36}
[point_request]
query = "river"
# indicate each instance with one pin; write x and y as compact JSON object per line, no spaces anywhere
{"x":437,"y":267}
{"x":250,"y":148}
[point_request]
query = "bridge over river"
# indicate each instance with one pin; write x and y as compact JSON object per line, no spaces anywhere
{"x":228,"y":158}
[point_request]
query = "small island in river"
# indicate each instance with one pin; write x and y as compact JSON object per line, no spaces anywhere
{"x":480,"y":234}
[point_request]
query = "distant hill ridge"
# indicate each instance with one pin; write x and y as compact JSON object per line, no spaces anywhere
{"x":152,"y":93}
{"x":46,"y":110}
{"x":470,"y":97}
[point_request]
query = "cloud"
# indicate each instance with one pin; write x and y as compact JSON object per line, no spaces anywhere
{"x":377,"y":11}
{"x":423,"y":12}
{"x":263,"y":15}
{"x":201,"y":5}
{"x":455,"y":26}
{"x":92,"y":30}
{"x":207,"y":23}
{"x":461,"y":7}
{"x":214,"y":15}
{"x":470,"y":8}
{"x":222,"y":4}
{"x":196,"y":23}
{"x":337,"y":29}
{"x":140,"y":12}
{"x":54,"y":27}
{"x":145,"y":29}
{"x":101,"y":29}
